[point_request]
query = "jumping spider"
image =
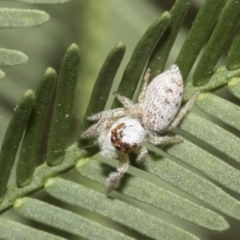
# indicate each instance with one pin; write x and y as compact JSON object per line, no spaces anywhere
{"x":122,"y":130}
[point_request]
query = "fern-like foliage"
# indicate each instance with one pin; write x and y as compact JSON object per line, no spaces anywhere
{"x":203,"y":168}
{"x":15,"y":18}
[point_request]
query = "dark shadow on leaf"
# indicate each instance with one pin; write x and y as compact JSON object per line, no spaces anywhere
{"x":154,"y":157}
{"x":142,"y":165}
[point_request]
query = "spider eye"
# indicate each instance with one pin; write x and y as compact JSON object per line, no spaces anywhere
{"x":127,"y":134}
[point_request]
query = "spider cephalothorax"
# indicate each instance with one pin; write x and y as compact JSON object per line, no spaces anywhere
{"x":122,"y":130}
{"x":127,"y":134}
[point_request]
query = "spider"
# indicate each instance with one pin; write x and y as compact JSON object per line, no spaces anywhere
{"x":123,"y":130}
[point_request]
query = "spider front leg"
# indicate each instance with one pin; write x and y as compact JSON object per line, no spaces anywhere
{"x":115,"y":113}
{"x":93,"y":130}
{"x":155,"y":140}
{"x":115,"y":177}
{"x":144,"y":86}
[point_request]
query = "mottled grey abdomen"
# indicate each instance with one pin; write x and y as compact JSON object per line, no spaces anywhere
{"x":162,"y":100}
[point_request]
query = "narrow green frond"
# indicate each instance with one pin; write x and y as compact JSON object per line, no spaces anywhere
{"x":41,"y":175}
{"x":208,"y":164}
{"x":215,"y":46}
{"x":193,"y":184}
{"x":41,"y":1}
{"x":103,"y":84}
{"x":64,"y":220}
{"x":21,"y":17}
{"x":232,"y":61}
{"x":234,"y":87}
{"x":140,"y":56}
{"x":31,"y":141}
{"x":161,"y":52}
{"x":63,"y":106}
{"x":147,"y":192}
{"x":212,"y":134}
{"x":2,"y":74}
{"x":13,"y":137}
{"x":13,"y":230}
{"x":116,"y":210}
{"x":220,"y":77}
{"x":220,"y":108}
{"x":198,"y":34}
{"x":10,"y":57}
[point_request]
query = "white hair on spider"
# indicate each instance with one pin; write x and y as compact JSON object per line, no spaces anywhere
{"x":122,"y":130}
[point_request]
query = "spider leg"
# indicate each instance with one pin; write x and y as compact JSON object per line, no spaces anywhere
{"x":108,"y":154}
{"x":102,"y":125}
{"x":115,"y":177}
{"x":156,"y":140}
{"x":183,"y":112}
{"x":118,"y":112}
{"x":144,"y":86}
{"x":92,"y":131}
{"x":130,"y":109}
{"x":123,"y":100}
{"x":142,"y":154}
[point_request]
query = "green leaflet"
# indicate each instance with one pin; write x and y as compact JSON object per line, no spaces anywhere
{"x":31,"y":142}
{"x":160,"y":54}
{"x":103,"y":84}
{"x":13,"y":230}
{"x":64,"y":220}
{"x":220,"y":108}
{"x":11,"y":57}
{"x":41,"y":174}
{"x":198,"y":34}
{"x":114,"y":209}
{"x":234,"y":86}
{"x":147,"y":192}
{"x":13,"y":18}
{"x":2,"y":74}
{"x":212,"y":134}
{"x":193,"y":184}
{"x":208,"y":164}
{"x":219,"y":38}
{"x":220,"y":77}
{"x":13,"y":137}
{"x":21,"y":18}
{"x":63,"y":106}
{"x":232,"y":61}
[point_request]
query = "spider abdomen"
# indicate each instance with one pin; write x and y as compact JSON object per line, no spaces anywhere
{"x":127,"y":134}
{"x":162,"y":100}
